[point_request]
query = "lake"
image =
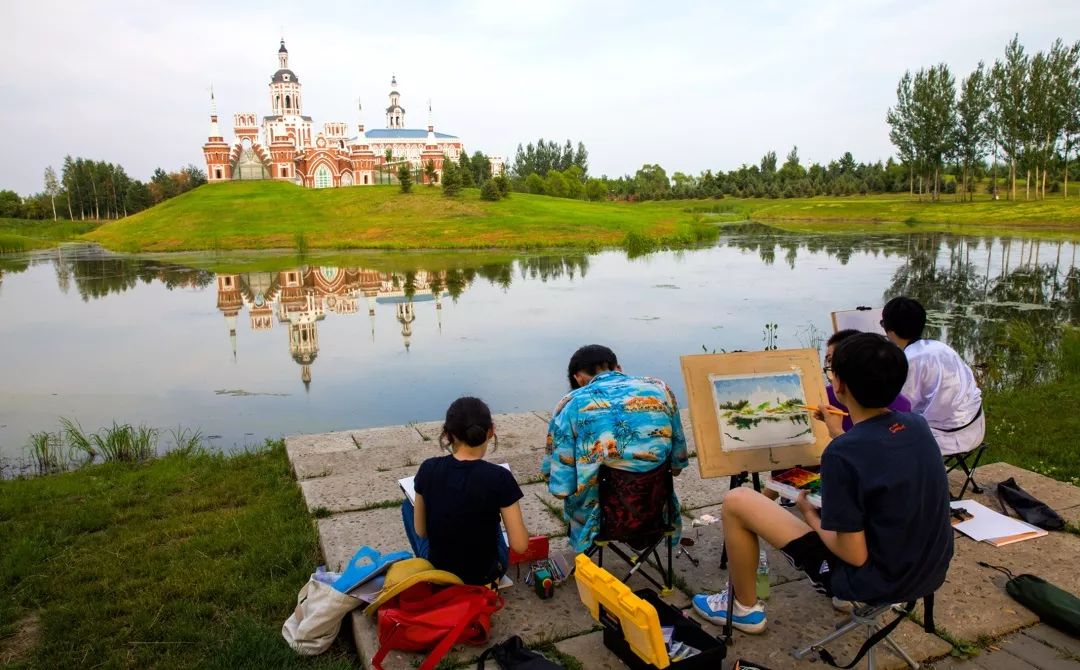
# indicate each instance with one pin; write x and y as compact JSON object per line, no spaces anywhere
{"x":252,"y":346}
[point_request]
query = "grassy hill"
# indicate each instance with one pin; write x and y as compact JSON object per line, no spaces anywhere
{"x":265,"y":215}
{"x":26,"y":234}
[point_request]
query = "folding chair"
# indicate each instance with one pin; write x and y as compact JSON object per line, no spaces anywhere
{"x":636,"y":517}
{"x":866,"y":616}
{"x":967,"y":462}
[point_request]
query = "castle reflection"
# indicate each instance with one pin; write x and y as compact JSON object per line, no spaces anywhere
{"x":301,"y":297}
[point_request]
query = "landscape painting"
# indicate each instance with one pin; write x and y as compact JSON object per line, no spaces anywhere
{"x":761,"y":410}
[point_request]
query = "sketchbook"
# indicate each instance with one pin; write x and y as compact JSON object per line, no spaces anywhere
{"x":790,"y":483}
{"x":992,"y":527}
{"x":862,"y":319}
{"x":408,"y":484}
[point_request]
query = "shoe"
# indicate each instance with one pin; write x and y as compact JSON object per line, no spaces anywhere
{"x":714,"y":608}
{"x":845,"y":606}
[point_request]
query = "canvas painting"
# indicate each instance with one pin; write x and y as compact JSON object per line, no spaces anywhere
{"x":761,"y":410}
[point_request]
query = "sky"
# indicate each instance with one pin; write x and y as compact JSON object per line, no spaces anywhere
{"x":689,"y":85}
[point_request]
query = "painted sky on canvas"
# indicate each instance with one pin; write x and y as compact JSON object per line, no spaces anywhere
{"x":691,"y":85}
{"x":758,"y":389}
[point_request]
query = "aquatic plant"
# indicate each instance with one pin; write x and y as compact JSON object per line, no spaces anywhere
{"x":186,"y":442}
{"x":46,"y":453}
{"x":78,"y":442}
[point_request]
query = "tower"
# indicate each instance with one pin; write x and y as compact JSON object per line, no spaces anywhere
{"x":284,"y":87}
{"x":216,"y":151}
{"x":287,"y":130}
{"x":405,"y":316}
{"x":431,"y":153}
{"x":395,"y":113}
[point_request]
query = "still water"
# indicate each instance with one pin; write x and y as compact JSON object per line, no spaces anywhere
{"x":261,"y":346}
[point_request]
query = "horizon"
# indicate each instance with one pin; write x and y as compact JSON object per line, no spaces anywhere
{"x":818,"y":78}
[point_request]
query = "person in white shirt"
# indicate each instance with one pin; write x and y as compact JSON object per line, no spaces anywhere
{"x":940,"y":385}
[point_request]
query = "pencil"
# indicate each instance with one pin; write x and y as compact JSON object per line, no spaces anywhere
{"x":812,"y":408}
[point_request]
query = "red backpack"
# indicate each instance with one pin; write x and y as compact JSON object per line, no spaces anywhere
{"x":424,"y":618}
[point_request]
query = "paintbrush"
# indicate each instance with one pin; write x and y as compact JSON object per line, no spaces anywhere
{"x":812,"y":408}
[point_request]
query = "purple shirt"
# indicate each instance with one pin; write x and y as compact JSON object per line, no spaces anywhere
{"x":901,"y":404}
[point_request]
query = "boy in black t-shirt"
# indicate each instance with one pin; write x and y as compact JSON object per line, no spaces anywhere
{"x":883,"y":533}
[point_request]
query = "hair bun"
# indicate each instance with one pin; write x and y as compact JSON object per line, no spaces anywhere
{"x":475,"y":435}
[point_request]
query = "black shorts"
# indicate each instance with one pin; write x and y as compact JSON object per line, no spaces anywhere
{"x":809,"y":554}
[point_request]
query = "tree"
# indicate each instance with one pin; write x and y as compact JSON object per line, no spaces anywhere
{"x":388,"y":155}
{"x":480,"y":166}
{"x":972,"y":132}
{"x":52,"y":188}
{"x":534,"y":183}
{"x":651,"y":182}
{"x":404,"y":175}
{"x":791,"y":170}
{"x":10,"y":204}
{"x":1009,"y":93}
{"x":581,"y":158}
{"x":451,"y":179}
{"x":934,"y":111}
{"x":595,"y":189}
{"x":503,"y":184}
{"x":489,"y":191}
{"x":429,"y":172}
{"x":465,"y":171}
{"x":901,"y":120}
{"x":555,"y":184}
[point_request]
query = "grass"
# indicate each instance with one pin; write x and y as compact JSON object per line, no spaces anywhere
{"x":18,"y":235}
{"x":274,"y":215}
{"x":1032,"y":427}
{"x":190,"y":560}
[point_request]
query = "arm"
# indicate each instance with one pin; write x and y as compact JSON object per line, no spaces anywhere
{"x":562,"y":463}
{"x":848,"y":547}
{"x":833,"y":422}
{"x":420,"y":516}
{"x":680,"y":457}
{"x":516,"y":532}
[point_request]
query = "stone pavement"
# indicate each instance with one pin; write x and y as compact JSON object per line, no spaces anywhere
{"x":349,"y":481}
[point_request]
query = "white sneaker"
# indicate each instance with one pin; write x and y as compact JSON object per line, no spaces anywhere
{"x":714,"y":608}
{"x":845,"y":606}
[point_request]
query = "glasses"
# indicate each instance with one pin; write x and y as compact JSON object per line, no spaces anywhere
{"x":828,"y":371}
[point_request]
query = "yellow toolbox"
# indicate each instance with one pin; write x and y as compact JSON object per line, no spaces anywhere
{"x":632,"y":623}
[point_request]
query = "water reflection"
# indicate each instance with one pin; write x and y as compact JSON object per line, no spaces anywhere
{"x":388,"y":339}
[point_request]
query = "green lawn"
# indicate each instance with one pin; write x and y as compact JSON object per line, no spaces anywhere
{"x":264,"y":215}
{"x":24,"y":234}
{"x":184,"y":562}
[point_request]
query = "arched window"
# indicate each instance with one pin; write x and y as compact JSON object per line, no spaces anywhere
{"x":323,"y":178}
{"x":346,"y":179}
{"x":365,"y":180}
{"x":288,"y":104}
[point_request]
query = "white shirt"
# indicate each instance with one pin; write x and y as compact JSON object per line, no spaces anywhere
{"x":942,"y":389}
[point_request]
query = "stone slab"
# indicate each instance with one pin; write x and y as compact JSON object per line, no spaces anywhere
{"x":536,"y":621}
{"x":695,"y":492}
{"x":590,"y":651}
{"x":360,"y":487}
{"x":514,"y":430}
{"x":1055,"y":638}
{"x":342,"y":534}
{"x":1065,"y":498}
{"x":1038,"y":654}
{"x":1000,"y":660}
{"x":386,"y":436}
{"x":973,"y":601}
{"x":798,"y":615}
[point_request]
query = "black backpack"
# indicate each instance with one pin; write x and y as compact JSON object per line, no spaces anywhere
{"x":511,"y":654}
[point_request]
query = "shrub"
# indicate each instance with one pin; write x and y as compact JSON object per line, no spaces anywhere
{"x":503,"y":184}
{"x":489,"y":191}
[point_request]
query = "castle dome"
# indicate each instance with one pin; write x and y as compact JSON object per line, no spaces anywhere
{"x":279,"y":76}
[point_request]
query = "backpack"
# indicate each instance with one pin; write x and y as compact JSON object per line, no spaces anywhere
{"x":1054,"y":606}
{"x":511,"y":654}
{"x":423,"y":619}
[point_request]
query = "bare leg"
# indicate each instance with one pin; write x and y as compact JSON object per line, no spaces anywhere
{"x":748,"y":515}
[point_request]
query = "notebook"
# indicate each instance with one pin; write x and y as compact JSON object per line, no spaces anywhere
{"x":986,"y":525}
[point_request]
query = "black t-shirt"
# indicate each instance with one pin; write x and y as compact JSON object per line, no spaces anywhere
{"x":885,"y":477}
{"x":463,"y":500}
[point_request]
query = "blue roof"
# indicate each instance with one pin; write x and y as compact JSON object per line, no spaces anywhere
{"x":404,"y":134}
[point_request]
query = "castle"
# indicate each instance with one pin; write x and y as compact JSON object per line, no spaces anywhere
{"x":287,"y":150}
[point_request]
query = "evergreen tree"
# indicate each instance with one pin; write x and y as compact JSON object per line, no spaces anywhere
{"x":451,"y":179}
{"x":465,"y":171}
{"x":404,"y":175}
{"x":429,"y":172}
{"x":489,"y":191}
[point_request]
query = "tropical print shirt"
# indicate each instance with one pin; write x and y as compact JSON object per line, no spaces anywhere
{"x":626,"y":423}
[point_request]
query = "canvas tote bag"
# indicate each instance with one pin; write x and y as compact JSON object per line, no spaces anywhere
{"x":317,"y":618}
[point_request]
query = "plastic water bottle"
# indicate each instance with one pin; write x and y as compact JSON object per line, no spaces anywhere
{"x":763,"y":576}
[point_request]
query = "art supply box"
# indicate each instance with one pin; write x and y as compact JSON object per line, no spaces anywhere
{"x":632,"y":623}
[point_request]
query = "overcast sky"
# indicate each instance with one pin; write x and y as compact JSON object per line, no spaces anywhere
{"x":689,"y":85}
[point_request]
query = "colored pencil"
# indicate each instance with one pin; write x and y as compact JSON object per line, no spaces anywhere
{"x":812,"y":408}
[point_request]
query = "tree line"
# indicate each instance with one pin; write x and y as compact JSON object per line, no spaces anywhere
{"x":1023,"y":109}
{"x":89,"y":189}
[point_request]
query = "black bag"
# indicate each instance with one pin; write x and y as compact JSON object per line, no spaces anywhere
{"x":1054,"y":606}
{"x":511,"y":654}
{"x":1028,"y":507}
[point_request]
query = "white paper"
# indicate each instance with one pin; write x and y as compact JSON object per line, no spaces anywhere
{"x":987,"y":524}
{"x":791,"y":493}
{"x":862,"y":320}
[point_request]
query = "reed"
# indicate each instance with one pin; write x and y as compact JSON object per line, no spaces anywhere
{"x":46,"y":453}
{"x":186,"y":442}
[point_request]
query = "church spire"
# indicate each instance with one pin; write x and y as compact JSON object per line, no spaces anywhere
{"x":395,"y":114}
{"x":283,"y":56}
{"x":215,"y":131}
